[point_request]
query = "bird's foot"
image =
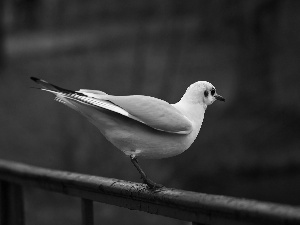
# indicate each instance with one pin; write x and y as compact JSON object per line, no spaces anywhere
{"x":151,"y":184}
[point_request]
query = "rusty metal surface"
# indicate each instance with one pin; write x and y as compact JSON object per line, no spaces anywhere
{"x":178,"y":204}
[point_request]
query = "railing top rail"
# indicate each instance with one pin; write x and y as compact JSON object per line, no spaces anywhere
{"x":178,"y":204}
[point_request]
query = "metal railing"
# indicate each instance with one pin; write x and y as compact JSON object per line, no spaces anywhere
{"x":183,"y":205}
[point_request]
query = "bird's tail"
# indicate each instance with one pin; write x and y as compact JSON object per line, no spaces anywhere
{"x":51,"y":87}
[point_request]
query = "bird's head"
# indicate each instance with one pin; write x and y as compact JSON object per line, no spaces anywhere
{"x":202,"y":92}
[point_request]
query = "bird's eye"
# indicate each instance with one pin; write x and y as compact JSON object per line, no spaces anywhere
{"x":205,"y":93}
{"x":213,"y":91}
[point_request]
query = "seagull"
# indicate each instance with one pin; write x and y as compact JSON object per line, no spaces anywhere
{"x":138,"y":125}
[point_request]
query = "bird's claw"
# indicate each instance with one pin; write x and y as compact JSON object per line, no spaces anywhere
{"x":152,"y":185}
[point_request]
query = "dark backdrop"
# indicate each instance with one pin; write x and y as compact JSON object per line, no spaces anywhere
{"x":247,"y":147}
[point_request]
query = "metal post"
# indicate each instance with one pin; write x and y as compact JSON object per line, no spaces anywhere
{"x":11,"y":204}
{"x":87,"y":212}
{"x":3,"y":202}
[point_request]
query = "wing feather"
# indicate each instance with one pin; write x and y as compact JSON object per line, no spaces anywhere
{"x":154,"y":112}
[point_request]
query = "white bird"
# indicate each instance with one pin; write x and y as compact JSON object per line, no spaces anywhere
{"x":142,"y":126}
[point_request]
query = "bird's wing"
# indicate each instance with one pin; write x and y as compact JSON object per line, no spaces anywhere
{"x":154,"y":112}
{"x":150,"y":111}
{"x":92,"y":93}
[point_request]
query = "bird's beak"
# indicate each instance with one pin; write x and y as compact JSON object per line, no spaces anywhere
{"x":219,"y":97}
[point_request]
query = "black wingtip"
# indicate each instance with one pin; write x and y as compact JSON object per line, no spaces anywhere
{"x":52,"y":87}
{"x":34,"y":79}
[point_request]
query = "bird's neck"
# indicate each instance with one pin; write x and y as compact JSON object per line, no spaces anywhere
{"x":193,"y":110}
{"x":192,"y":99}
{"x":191,"y":96}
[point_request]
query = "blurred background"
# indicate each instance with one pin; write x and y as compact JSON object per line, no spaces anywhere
{"x":248,"y":146}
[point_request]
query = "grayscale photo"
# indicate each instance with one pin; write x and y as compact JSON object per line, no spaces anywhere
{"x":149,"y":112}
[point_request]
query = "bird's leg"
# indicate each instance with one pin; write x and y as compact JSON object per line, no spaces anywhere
{"x":146,"y":180}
